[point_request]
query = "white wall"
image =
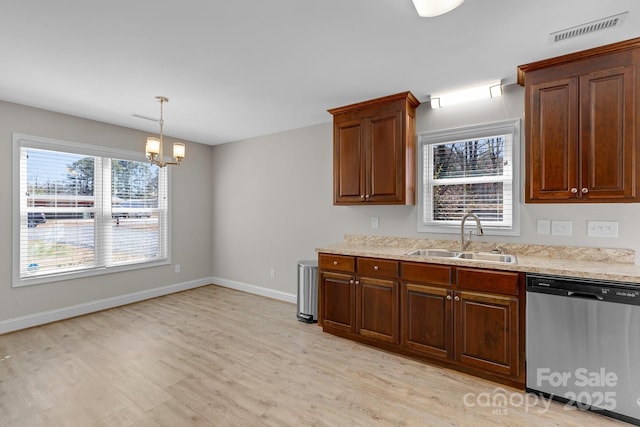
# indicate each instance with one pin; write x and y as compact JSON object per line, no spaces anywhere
{"x":191,"y":225}
{"x":244,"y":208}
{"x":273,"y":200}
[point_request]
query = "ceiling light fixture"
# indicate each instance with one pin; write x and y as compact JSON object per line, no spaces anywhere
{"x":431,"y":8}
{"x":484,"y":91}
{"x":154,"y":147}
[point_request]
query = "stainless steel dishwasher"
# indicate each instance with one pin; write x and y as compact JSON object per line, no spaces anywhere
{"x":583,"y":344}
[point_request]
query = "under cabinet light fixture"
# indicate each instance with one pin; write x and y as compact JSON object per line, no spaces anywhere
{"x":484,"y":91}
{"x":431,"y":8}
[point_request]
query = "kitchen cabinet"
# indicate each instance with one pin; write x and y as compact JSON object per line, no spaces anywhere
{"x":488,"y":327}
{"x":470,"y":319}
{"x":426,"y":309}
{"x":377,"y":299}
{"x":365,"y":303}
{"x":373,"y":151}
{"x":486,"y":331}
{"x":336,"y":293}
{"x":478,"y":327}
{"x":338,"y":298}
{"x":581,"y":121}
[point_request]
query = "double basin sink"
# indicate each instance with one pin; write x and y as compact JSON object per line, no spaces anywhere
{"x":476,"y":256}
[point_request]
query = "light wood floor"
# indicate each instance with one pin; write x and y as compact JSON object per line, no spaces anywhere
{"x":217,"y":357}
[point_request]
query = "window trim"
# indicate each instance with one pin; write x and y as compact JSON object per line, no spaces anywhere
{"x":20,"y":140}
{"x":426,"y":139}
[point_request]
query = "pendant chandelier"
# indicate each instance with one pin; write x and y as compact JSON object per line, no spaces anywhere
{"x":154,"y":148}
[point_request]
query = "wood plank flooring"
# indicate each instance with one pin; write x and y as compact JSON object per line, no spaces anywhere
{"x":217,"y":357}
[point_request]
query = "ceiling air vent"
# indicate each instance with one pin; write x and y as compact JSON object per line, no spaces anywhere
{"x":589,"y":27}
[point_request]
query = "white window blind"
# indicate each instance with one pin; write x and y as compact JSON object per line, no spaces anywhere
{"x":469,"y":170}
{"x":83,"y":210}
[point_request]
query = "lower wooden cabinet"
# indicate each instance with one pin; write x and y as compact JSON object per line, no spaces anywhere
{"x":477,"y":330}
{"x":365,"y":305}
{"x":426,"y":320}
{"x":337,"y":301}
{"x":436,"y":312}
{"x":377,"y":309}
{"x":486,"y":332}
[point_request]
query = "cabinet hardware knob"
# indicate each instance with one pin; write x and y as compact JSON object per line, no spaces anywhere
{"x":357,"y":282}
{"x":574,"y":190}
{"x":449,"y":297}
{"x":362,"y":196}
{"x":457,"y":298}
{"x":351,"y":282}
{"x":335,"y":262}
{"x":366,"y":197}
{"x":375,"y":267}
{"x":585,"y":190}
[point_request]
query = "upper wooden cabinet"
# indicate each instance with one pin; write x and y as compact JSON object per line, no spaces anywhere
{"x":582,"y":112}
{"x":373,"y":151}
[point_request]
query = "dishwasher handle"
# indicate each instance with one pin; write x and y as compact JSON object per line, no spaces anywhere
{"x":584,"y":295}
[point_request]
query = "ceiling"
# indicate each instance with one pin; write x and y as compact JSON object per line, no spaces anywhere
{"x":239,"y":69}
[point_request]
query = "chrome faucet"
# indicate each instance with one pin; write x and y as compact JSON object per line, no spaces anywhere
{"x":464,"y":243}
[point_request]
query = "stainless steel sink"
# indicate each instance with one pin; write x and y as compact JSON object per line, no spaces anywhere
{"x":444,"y":253}
{"x":474,"y":256}
{"x":488,"y":256}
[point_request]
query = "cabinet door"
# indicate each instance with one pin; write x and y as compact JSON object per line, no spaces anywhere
{"x":426,"y":322}
{"x":348,"y":159}
{"x":384,"y":159}
{"x":608,"y":130}
{"x":486,"y":331}
{"x":377,"y":309}
{"x":552,"y":140}
{"x":337,"y":301}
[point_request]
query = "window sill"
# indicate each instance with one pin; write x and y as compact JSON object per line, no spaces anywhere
{"x":455,"y":229}
{"x":39,"y":280}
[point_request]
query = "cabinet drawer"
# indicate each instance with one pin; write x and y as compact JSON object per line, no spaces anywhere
{"x":336,"y":262}
{"x":377,"y":267}
{"x":426,"y":273}
{"x":501,"y":282}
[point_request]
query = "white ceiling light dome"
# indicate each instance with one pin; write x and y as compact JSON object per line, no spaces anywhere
{"x":430,"y":8}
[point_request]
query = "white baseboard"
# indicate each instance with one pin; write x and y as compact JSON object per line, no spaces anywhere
{"x":37,"y":319}
{"x":253,"y":289}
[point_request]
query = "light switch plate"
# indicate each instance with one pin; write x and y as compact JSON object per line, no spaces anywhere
{"x":375,"y":222}
{"x":543,"y":226}
{"x":562,"y":228}
{"x":602,"y":229}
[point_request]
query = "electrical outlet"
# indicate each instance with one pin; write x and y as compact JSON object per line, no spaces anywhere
{"x":602,"y":228}
{"x":543,"y":226}
{"x":562,"y":228}
{"x":375,"y":222}
{"x":272,"y":273}
{"x":177,"y":268}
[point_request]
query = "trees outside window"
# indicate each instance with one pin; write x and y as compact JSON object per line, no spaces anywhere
{"x":83,"y":211}
{"x":469,"y":170}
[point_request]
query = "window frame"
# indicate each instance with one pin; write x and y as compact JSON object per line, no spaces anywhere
{"x":37,"y":142}
{"x":425,"y":204}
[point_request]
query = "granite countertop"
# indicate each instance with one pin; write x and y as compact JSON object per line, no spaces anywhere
{"x":593,"y":263}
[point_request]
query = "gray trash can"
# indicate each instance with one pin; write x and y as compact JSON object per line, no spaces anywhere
{"x":308,"y":291}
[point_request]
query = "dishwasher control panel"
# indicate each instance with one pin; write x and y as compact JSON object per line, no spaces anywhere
{"x":574,"y":287}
